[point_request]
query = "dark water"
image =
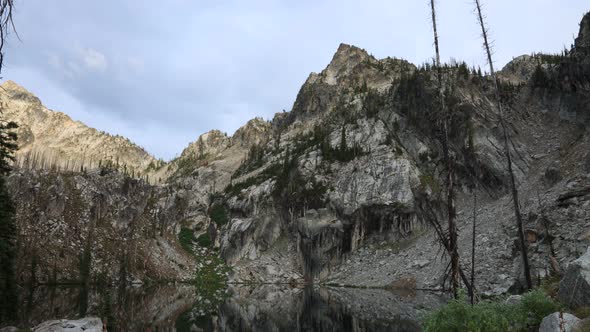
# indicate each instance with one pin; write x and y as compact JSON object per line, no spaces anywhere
{"x":237,"y":308}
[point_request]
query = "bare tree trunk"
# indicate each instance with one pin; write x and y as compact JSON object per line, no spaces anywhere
{"x":448,"y":161}
{"x":6,"y":25}
{"x":473,"y":242}
{"x":429,"y":214}
{"x":523,"y":247}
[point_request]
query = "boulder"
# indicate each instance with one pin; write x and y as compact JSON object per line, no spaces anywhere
{"x":574,"y":288}
{"x":559,"y":322}
{"x":86,"y":324}
{"x":9,"y":329}
{"x":513,"y":300}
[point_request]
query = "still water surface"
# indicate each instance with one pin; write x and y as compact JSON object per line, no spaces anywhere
{"x":237,"y":308}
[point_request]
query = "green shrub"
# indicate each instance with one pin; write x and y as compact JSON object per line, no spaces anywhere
{"x":186,"y":239}
{"x":487,"y":316}
{"x":204,"y":240}
{"x":537,"y":305}
{"x":428,"y":180}
{"x":218,"y":215}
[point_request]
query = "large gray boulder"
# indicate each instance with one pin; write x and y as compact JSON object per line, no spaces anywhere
{"x":9,"y":329}
{"x":574,"y":288}
{"x":87,"y":324}
{"x":559,"y":322}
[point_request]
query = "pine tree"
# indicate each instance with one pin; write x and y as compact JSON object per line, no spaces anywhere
{"x":201,"y":148}
{"x":7,"y":225}
{"x":8,"y":296}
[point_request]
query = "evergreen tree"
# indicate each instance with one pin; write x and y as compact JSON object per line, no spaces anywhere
{"x":8,"y":296}
{"x":201,"y":148}
{"x":540,"y":79}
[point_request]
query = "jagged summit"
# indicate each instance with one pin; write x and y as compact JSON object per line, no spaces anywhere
{"x":351,"y":68}
{"x":13,"y":86}
{"x":345,"y":59}
{"x":214,"y":142}
{"x":208,"y":144}
{"x":18,"y":92}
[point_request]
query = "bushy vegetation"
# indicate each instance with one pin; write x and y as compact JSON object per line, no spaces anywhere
{"x":429,"y":181}
{"x":204,"y":240}
{"x":551,"y":59}
{"x":218,"y":214}
{"x":488,"y":316}
{"x":211,"y":274}
{"x":186,"y":237}
{"x":271,"y":171}
{"x":343,"y":153}
{"x":186,"y":165}
{"x":540,"y":78}
{"x":373,"y":102}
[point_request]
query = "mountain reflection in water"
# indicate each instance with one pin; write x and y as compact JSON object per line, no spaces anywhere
{"x":238,"y":308}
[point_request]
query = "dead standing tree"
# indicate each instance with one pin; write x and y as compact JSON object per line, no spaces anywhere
{"x":448,"y":159}
{"x":6,"y":25}
{"x":487,"y":48}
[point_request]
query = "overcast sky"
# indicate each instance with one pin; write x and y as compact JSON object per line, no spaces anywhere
{"x":163,"y":72}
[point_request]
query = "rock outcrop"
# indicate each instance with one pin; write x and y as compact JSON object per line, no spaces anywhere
{"x":559,"y":322}
{"x":582,"y":42}
{"x":99,"y":226}
{"x":88,"y":324}
{"x":574,"y":288}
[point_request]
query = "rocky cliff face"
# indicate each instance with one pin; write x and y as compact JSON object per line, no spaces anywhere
{"x":582,"y":43}
{"x":99,"y":226}
{"x":344,"y":188}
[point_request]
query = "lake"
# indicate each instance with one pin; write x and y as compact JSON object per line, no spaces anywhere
{"x":180,"y":307}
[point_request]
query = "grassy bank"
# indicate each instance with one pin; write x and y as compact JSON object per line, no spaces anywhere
{"x":498,"y":315}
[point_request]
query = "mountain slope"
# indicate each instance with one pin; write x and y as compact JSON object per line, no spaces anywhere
{"x":53,"y":139}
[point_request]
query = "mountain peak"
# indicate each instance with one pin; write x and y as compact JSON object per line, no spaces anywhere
{"x":12,"y":85}
{"x":17,"y":92}
{"x":348,"y":50}
{"x":346,"y":58}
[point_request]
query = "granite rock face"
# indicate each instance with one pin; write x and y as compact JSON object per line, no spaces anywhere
{"x":89,"y":324}
{"x":98,"y":226}
{"x":559,"y":322}
{"x":574,"y":288}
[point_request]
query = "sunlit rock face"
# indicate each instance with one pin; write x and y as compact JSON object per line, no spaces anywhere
{"x":51,"y":139}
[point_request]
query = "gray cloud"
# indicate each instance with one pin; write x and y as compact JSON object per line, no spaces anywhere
{"x":161,"y":74}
